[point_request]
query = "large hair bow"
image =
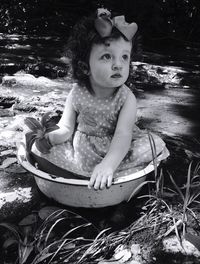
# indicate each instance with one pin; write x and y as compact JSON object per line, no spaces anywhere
{"x":104,"y":24}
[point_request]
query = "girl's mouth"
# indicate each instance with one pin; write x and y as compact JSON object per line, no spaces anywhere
{"x":116,"y":75}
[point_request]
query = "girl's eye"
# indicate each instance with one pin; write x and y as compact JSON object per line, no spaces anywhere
{"x":106,"y":56}
{"x":125,"y":57}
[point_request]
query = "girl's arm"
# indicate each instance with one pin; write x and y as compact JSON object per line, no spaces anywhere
{"x":120,"y":144}
{"x":66,"y":124}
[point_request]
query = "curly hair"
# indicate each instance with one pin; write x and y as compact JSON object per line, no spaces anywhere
{"x":83,"y":37}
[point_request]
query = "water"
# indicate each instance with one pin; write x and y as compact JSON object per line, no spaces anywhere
{"x":38,"y":55}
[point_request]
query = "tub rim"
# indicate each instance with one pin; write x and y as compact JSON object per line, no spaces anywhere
{"x":22,"y":158}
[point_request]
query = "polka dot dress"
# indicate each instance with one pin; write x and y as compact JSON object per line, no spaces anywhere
{"x":96,"y":122}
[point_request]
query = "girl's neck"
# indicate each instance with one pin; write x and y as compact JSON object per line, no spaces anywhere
{"x":104,"y":93}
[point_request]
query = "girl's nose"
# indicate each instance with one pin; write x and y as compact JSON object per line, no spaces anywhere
{"x":117,"y":65}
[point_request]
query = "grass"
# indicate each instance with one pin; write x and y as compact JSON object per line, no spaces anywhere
{"x":161,"y":211}
{"x":188,"y":194}
{"x":50,"y":238}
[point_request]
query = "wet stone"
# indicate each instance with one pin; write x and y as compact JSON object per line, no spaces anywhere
{"x":7,"y":101}
{"x":6,"y":112}
{"x":18,"y":193}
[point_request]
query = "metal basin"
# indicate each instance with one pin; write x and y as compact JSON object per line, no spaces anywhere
{"x":74,"y":192}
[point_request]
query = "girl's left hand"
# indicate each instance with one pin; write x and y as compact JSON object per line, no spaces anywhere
{"x":101,"y":177}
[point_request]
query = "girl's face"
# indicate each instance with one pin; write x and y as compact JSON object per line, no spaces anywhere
{"x":109,"y":64}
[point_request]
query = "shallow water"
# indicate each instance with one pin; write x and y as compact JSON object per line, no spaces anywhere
{"x":39,"y":55}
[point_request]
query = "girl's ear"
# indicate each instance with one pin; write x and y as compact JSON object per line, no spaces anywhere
{"x":84,"y":68}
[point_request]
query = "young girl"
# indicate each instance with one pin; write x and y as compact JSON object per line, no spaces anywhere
{"x":97,"y":135}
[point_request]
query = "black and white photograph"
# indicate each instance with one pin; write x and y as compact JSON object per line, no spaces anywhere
{"x":100,"y":132}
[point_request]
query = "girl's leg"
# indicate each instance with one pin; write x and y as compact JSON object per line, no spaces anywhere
{"x":144,"y":151}
{"x":52,"y":169}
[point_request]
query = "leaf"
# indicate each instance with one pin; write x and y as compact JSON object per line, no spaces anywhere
{"x":138,"y":188}
{"x":177,"y":187}
{"x":42,"y":145}
{"x":69,"y":245}
{"x":9,"y":242}
{"x":193,"y":239}
{"x":48,"y":122}
{"x":33,"y":124}
{"x":52,"y":227}
{"x":166,"y":194}
{"x":47,"y":211}
{"x":12,"y":228}
{"x":75,"y":229}
{"x":16,"y":168}
{"x":7,"y":162}
{"x":30,"y":139}
{"x":42,"y":257}
{"x":51,"y":128}
{"x":28,"y":220}
{"x":45,"y":118}
{"x":24,"y":252}
{"x":58,"y":249}
{"x":187,"y":193}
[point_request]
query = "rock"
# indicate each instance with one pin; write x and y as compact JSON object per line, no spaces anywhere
{"x":18,"y":193}
{"x":136,"y":249}
{"x":107,"y":262}
{"x":8,"y":81}
{"x":9,"y":138}
{"x":137,"y":256}
{"x":6,"y":112}
{"x":24,"y":79}
{"x":122,"y":254}
{"x":7,"y":100}
{"x":172,"y":245}
{"x":17,"y":123}
{"x":7,"y":162}
{"x":134,"y":262}
{"x":6,"y":152}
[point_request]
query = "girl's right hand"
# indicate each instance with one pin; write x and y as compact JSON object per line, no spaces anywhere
{"x":101,"y":177}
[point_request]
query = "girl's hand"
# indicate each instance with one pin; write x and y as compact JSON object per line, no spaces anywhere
{"x":101,"y":177}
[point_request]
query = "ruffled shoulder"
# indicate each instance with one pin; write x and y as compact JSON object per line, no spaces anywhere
{"x":121,"y":96}
{"x":124,"y":92}
{"x":76,"y":95}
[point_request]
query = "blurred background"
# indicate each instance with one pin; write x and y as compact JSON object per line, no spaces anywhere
{"x":178,"y":19}
{"x":34,"y":32}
